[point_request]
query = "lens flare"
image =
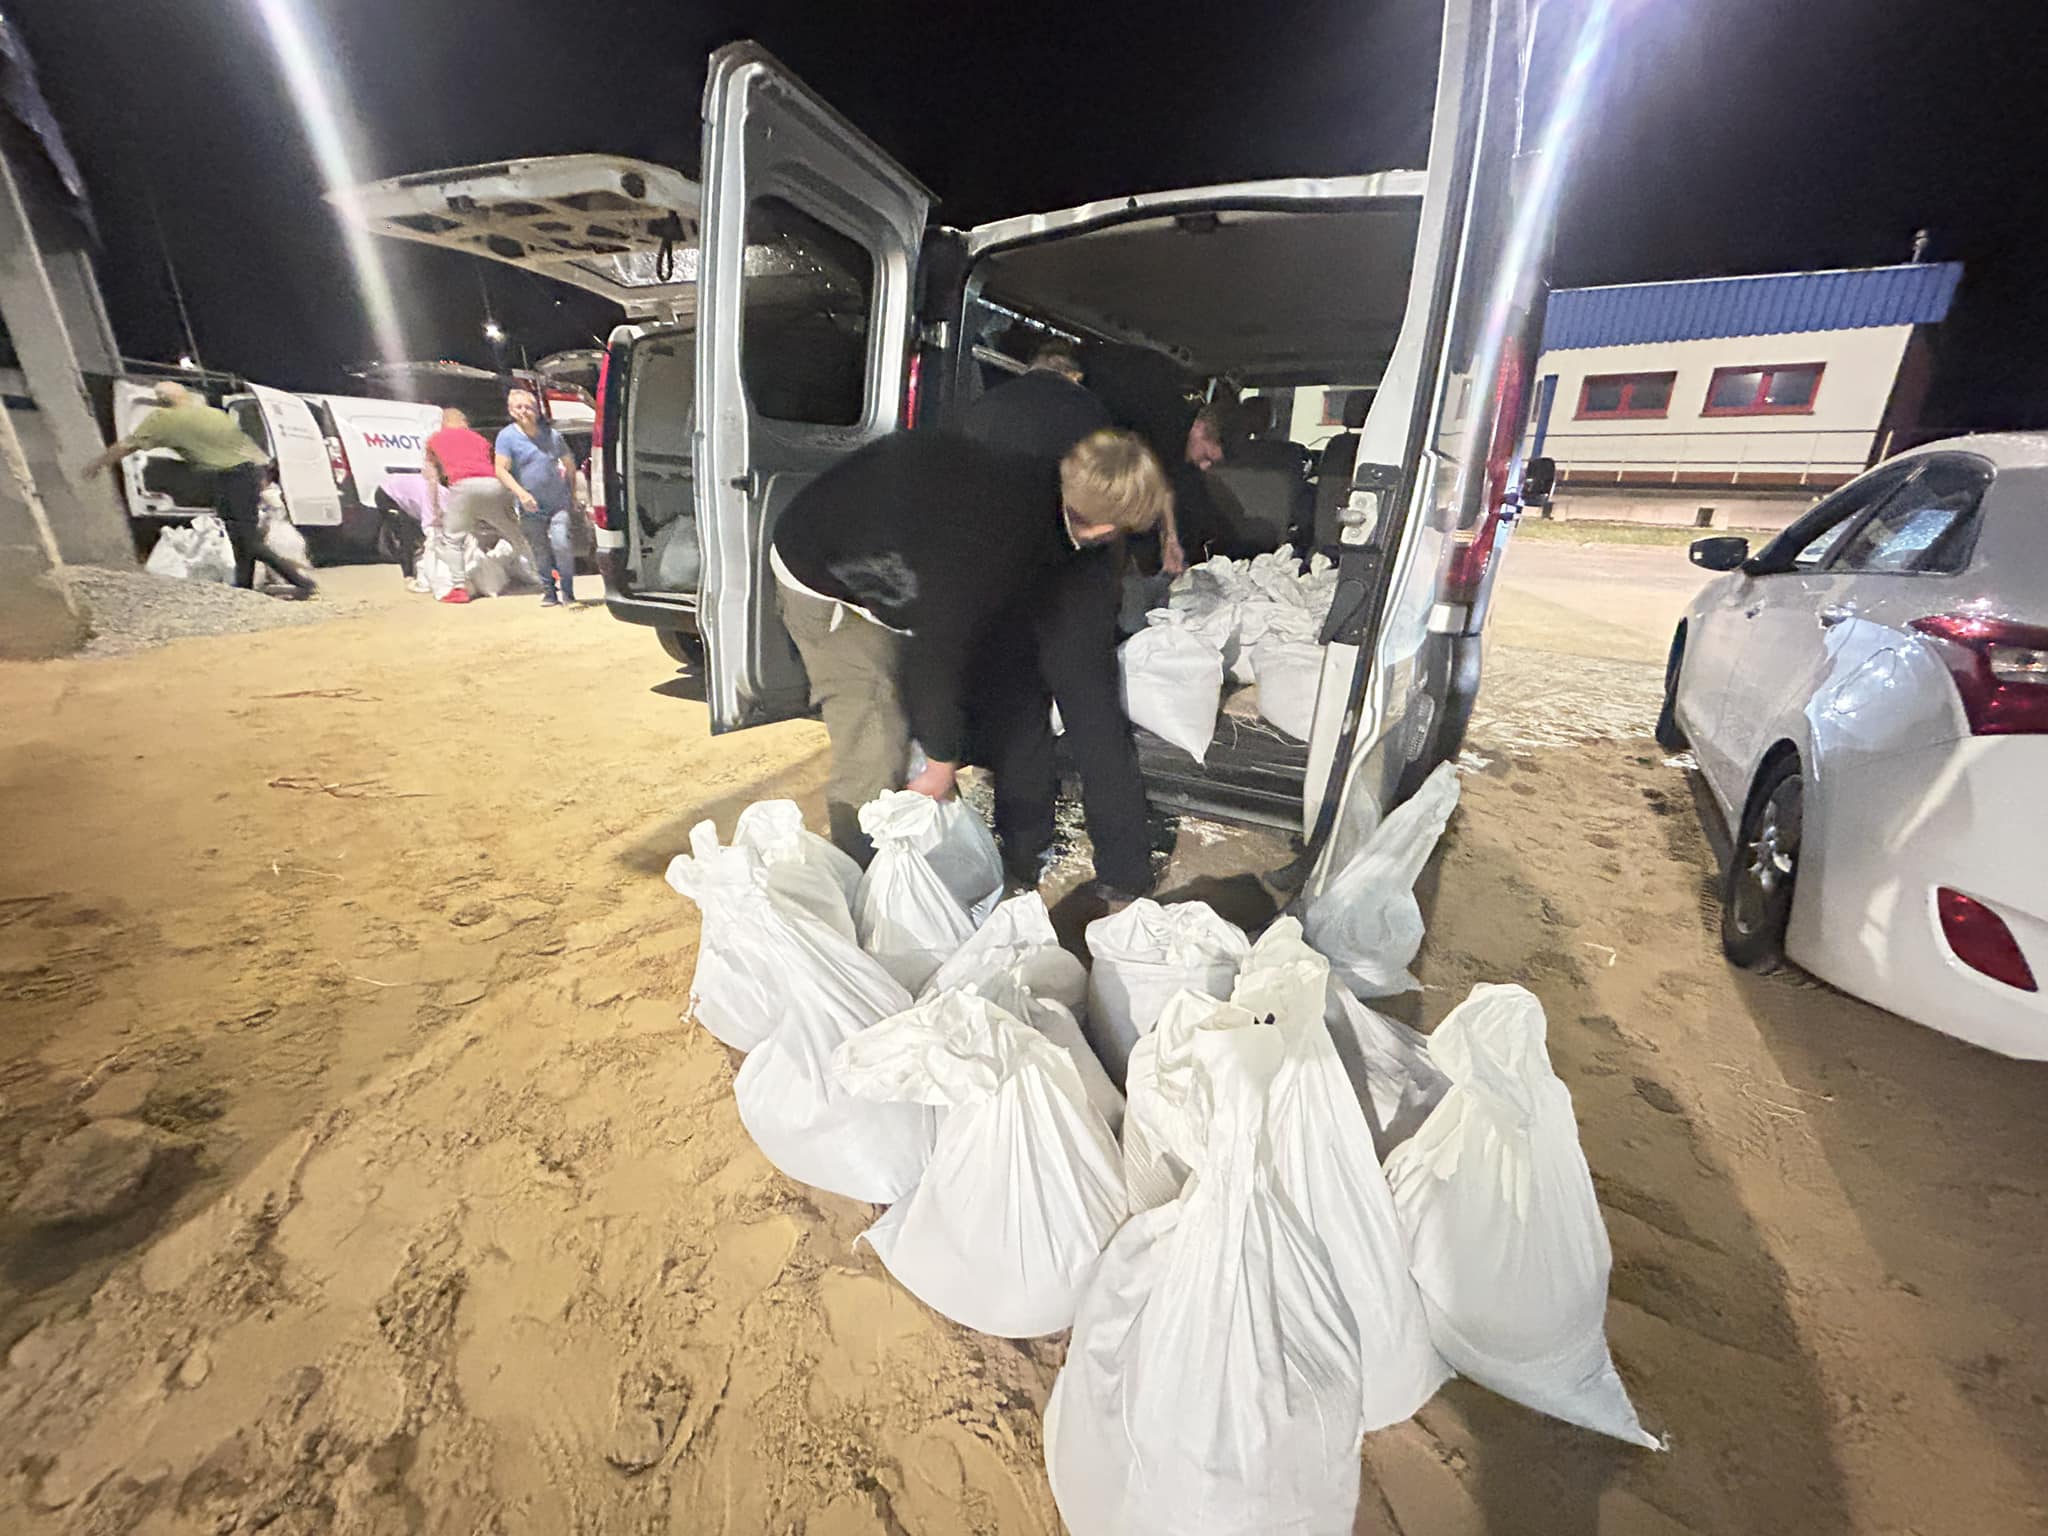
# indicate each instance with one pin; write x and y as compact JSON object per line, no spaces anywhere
{"x":291,"y":38}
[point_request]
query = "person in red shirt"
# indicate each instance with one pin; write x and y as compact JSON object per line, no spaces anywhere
{"x":459,"y":460}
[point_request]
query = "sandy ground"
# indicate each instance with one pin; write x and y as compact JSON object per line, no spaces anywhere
{"x":459,"y":1231}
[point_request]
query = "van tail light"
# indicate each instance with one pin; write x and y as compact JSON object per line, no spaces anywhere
{"x":337,"y":462}
{"x":2000,"y":669}
{"x":910,"y":388}
{"x":1980,"y":939}
{"x":599,"y":516}
{"x":1472,"y":549}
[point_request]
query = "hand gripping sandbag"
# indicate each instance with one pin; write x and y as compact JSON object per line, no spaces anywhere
{"x":906,"y":916}
{"x":1211,"y":1387}
{"x":1323,"y":1161}
{"x":755,"y":940}
{"x":1015,"y":960}
{"x":1143,"y":955}
{"x":1024,"y":1186}
{"x":1173,"y":682}
{"x":801,"y":865}
{"x":1365,"y":918}
{"x":1504,"y":1234}
{"x":1396,"y":1080}
{"x":792,"y":1103}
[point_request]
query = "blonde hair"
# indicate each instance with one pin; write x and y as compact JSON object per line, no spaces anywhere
{"x":1112,"y":478}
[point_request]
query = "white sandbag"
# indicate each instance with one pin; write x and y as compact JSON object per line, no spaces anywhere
{"x":904,"y":913}
{"x":1165,"y":1125}
{"x":1142,"y":956}
{"x":1015,"y":960}
{"x":1504,"y":1233}
{"x":1324,"y":1162}
{"x":281,"y":534}
{"x":1396,"y":1080}
{"x":801,"y":865}
{"x":678,"y":559}
{"x":1173,"y":682}
{"x":1289,"y":674}
{"x":198,"y":553}
{"x":495,"y":571}
{"x":438,"y":573}
{"x":757,"y":948}
{"x":1365,"y":917}
{"x":1211,"y":1387}
{"x":1024,"y":1185}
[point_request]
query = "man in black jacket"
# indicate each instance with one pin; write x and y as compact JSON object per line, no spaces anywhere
{"x":907,"y":574}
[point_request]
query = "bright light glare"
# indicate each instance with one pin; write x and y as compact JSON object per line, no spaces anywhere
{"x":290,"y":37}
{"x":493,"y":331}
{"x":186,"y":363}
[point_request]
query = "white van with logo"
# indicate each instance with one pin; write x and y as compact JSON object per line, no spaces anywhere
{"x":331,"y":455}
{"x":826,"y":312}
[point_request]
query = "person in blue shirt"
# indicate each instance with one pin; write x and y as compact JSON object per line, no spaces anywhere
{"x":536,"y":466}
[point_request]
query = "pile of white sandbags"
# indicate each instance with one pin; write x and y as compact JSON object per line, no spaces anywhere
{"x":1248,"y":621}
{"x":1304,"y":1218}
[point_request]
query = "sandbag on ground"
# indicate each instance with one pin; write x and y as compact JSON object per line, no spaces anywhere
{"x":1143,"y":955}
{"x":1024,"y":1185}
{"x":1212,"y":1384}
{"x":906,"y":915}
{"x":1365,"y":918}
{"x":1504,"y":1233}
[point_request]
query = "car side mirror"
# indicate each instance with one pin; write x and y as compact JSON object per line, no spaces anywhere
{"x":1539,"y":479}
{"x":1724,"y":552}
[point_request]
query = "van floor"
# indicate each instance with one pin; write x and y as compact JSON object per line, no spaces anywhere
{"x":450,"y":1223}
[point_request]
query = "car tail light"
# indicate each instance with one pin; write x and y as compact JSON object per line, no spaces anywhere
{"x":1981,"y":940}
{"x":910,"y":388}
{"x":1472,"y":549}
{"x":599,"y":516}
{"x":2000,"y":669}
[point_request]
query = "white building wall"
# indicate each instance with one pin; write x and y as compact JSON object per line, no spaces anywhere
{"x":1831,"y":441}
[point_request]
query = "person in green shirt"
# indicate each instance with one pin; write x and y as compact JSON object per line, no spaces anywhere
{"x":208,"y":439}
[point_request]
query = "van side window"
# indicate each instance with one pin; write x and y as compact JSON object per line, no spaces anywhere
{"x":806,"y":297}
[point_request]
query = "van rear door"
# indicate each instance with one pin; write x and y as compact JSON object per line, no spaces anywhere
{"x":305,"y":474}
{"x":157,"y":482}
{"x":622,"y":228}
{"x":810,"y":246}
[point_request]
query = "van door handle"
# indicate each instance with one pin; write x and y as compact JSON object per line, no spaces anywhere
{"x":750,"y":482}
{"x":1750,"y":613}
{"x":1830,"y":617}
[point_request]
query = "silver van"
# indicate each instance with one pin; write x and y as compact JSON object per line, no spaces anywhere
{"x":800,"y":303}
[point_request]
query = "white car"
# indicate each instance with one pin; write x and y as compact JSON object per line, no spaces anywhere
{"x":1867,"y":699}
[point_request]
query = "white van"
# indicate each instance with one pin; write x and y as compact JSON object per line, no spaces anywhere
{"x":332,"y":453}
{"x":825,"y":312}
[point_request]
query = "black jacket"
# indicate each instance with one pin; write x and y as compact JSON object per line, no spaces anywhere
{"x":1040,"y":414}
{"x":936,"y":535}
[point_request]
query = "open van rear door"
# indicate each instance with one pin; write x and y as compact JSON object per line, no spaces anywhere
{"x":297,"y":446}
{"x":622,"y":228}
{"x":805,"y":288}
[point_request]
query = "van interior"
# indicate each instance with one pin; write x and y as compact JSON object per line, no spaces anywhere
{"x":1291,"y":312}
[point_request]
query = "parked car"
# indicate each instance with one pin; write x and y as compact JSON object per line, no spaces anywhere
{"x":1867,"y":699}
{"x":797,"y":305}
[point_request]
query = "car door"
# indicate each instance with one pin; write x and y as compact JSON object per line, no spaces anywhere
{"x":811,"y":236}
{"x":157,"y":482}
{"x":298,"y":449}
{"x":1770,"y":642}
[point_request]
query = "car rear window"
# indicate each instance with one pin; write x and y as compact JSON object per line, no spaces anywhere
{"x":1926,"y":527}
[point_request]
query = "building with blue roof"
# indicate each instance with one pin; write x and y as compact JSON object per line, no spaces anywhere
{"x":1748,"y":396}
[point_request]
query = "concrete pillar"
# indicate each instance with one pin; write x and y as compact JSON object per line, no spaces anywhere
{"x":40,"y":616}
{"x":52,"y":314}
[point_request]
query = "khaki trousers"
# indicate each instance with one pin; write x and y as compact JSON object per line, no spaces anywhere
{"x":852,"y":667}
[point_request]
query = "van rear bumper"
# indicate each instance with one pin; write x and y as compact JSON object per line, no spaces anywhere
{"x":657,"y":610}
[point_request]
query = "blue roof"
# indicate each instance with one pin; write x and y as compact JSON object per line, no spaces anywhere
{"x":1770,"y":305}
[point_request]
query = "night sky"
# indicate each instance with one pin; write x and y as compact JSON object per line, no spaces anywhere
{"x":1734,"y":136}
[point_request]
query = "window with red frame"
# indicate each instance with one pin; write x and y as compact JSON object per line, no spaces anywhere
{"x":1785,"y":390}
{"x":1606,"y":396}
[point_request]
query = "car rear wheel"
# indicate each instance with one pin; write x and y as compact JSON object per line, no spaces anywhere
{"x":1756,"y":897}
{"x":1670,"y":735}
